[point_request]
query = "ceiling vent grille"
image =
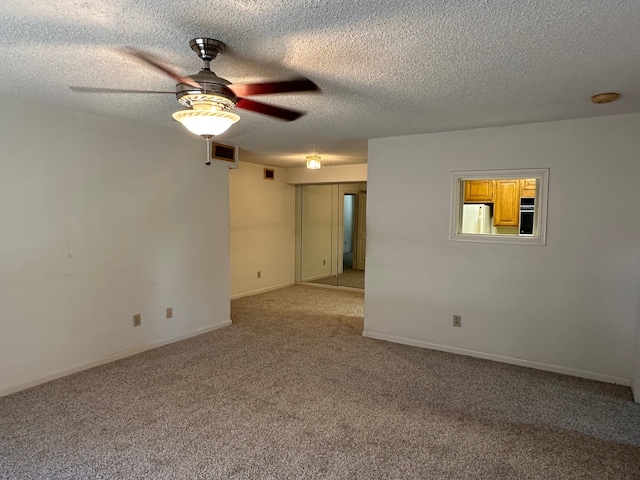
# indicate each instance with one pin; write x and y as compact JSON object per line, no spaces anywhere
{"x":226,"y":153}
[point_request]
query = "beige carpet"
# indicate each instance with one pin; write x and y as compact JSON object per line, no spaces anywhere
{"x":292,"y":391}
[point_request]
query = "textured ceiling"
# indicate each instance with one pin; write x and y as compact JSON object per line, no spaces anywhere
{"x":386,"y":68}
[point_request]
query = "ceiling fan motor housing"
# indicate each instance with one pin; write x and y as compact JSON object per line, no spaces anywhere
{"x":214,"y":91}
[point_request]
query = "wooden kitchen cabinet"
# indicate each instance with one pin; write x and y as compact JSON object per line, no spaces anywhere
{"x":506,"y":201}
{"x":478,"y":191}
{"x":528,"y":187}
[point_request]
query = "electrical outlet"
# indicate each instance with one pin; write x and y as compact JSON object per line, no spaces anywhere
{"x":259,"y":274}
{"x":457,"y":320}
{"x":137,"y":320}
{"x":169,"y":312}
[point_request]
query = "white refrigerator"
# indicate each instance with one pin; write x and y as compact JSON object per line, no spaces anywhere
{"x":476,"y":219}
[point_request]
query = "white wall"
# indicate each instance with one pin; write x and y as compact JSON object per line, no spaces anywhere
{"x":101,"y":219}
{"x":262,"y":220}
{"x":327,"y":174}
{"x":570,"y":306}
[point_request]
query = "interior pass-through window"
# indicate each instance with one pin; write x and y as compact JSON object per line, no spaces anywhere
{"x":500,"y":206}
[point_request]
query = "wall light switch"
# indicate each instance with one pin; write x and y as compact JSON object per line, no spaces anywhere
{"x":169,"y":312}
{"x":137,"y":320}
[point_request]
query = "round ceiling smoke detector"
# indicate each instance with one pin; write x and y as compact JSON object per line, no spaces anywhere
{"x":605,"y":97}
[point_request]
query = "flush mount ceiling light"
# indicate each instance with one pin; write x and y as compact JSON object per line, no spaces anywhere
{"x":313,"y":162}
{"x":605,"y":97}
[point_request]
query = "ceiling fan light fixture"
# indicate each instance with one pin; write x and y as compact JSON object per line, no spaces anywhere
{"x":206,"y":122}
{"x":313,"y":162}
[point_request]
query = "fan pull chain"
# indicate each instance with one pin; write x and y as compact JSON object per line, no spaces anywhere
{"x":209,"y":154}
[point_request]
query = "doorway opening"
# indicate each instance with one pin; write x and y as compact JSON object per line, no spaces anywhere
{"x":349,"y":227}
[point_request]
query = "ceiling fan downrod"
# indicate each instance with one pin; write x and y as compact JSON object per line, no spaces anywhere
{"x":209,"y":152}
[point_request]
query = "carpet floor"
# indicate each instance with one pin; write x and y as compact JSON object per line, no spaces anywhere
{"x":293,"y":391}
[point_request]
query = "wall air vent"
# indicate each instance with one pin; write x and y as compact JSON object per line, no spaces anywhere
{"x":223,"y":152}
{"x":269,"y":174}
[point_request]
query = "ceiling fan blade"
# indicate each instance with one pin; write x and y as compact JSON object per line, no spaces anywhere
{"x":298,"y":85}
{"x":112,"y":90}
{"x":272,"y":111}
{"x":146,"y":58}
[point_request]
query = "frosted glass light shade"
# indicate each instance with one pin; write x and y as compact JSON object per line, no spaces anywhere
{"x":313,"y":162}
{"x":203,"y":122}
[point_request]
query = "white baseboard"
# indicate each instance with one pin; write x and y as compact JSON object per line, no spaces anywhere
{"x":108,"y":359}
{"x":262,"y":290}
{"x":504,"y":359}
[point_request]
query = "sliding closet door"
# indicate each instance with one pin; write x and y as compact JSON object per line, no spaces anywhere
{"x":328,"y":238}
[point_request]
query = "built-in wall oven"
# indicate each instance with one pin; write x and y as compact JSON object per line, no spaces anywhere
{"x":527,"y":213}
